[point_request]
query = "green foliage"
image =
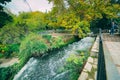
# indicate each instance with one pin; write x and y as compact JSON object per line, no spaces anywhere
{"x":1,"y":55}
{"x":11,"y":34}
{"x":56,"y":42}
{"x":84,"y":28}
{"x":9,"y":72}
{"x":31,"y":21}
{"x":4,"y":49}
{"x":7,"y":50}
{"x":4,"y":19}
{"x":81,"y":28}
{"x":75,"y":63}
{"x":14,"y":47}
{"x":59,"y":6}
{"x":97,"y":11}
{"x":5,"y":73}
{"x":33,"y":44}
{"x":47,"y":37}
{"x":37,"y":45}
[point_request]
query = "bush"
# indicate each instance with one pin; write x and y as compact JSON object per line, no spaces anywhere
{"x":1,"y":55}
{"x":47,"y":37}
{"x":11,"y":34}
{"x":7,"y":50}
{"x":14,"y":47}
{"x":57,"y":42}
{"x":4,"y":49}
{"x":6,"y":73}
{"x":33,"y":44}
{"x":75,"y":63}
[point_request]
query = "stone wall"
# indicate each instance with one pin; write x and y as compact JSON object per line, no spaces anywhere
{"x":89,"y":71}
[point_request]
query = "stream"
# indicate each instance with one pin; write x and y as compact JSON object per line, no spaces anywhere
{"x":50,"y":67}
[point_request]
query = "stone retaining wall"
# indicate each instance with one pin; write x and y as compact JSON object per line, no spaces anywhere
{"x":89,"y":71}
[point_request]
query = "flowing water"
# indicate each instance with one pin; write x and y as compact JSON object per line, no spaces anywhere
{"x":50,"y":67}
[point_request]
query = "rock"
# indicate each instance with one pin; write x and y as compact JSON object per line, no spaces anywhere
{"x":94,"y":54}
{"x":95,"y":61}
{"x":83,"y":76}
{"x":90,"y":60}
{"x":94,"y":66}
{"x":88,"y":67}
{"x":90,"y":79}
{"x":84,"y":70}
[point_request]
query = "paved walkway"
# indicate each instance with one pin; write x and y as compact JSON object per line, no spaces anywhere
{"x":113,"y":45}
{"x":8,"y":62}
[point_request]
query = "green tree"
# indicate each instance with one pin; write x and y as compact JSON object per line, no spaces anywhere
{"x":89,"y":10}
{"x":94,"y":8}
{"x":31,"y":21}
{"x":4,"y":17}
{"x":59,"y":6}
{"x":10,"y":34}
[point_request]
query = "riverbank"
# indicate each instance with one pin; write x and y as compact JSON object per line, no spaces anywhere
{"x":8,"y":71}
{"x":89,"y":71}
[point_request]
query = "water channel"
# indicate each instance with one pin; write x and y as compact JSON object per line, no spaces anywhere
{"x":48,"y":67}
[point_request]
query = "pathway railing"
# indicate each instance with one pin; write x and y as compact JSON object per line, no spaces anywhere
{"x":106,"y":67}
{"x":101,"y":72}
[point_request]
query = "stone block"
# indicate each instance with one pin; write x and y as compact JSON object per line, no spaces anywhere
{"x":90,"y":60}
{"x":83,"y":76}
{"x":88,"y":67}
{"x":90,"y":79}
{"x":94,"y":66}
{"x":95,"y":61}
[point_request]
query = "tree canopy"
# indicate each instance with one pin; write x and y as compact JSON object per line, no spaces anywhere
{"x":4,"y":17}
{"x":87,"y":10}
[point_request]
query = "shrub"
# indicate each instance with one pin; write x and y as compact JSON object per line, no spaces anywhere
{"x":47,"y":37}
{"x":4,"y":49}
{"x":14,"y":47}
{"x":4,"y":72}
{"x":7,"y":50}
{"x":75,"y":63}
{"x":57,"y":42}
{"x":11,"y":34}
{"x":33,"y":44}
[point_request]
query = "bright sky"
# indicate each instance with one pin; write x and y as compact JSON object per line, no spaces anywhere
{"x":37,"y":5}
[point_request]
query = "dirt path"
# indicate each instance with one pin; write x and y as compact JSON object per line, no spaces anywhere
{"x":8,"y":62}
